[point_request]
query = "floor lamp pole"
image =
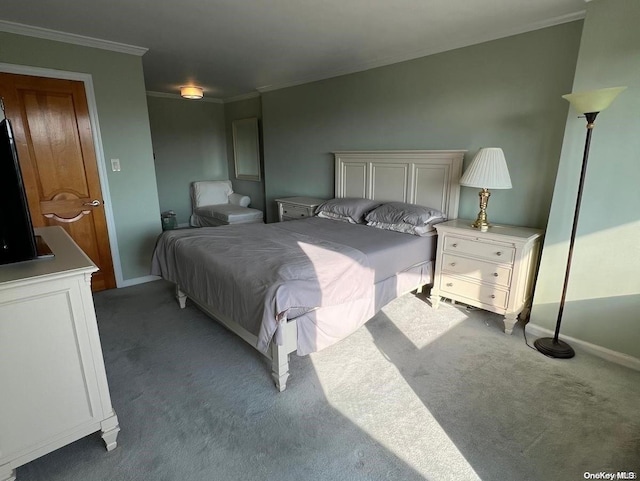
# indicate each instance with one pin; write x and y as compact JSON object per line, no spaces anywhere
{"x":552,"y":346}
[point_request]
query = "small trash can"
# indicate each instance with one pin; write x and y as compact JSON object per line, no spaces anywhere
{"x":169,"y":220}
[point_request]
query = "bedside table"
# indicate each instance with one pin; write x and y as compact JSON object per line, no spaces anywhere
{"x":492,"y":270}
{"x":292,"y":208}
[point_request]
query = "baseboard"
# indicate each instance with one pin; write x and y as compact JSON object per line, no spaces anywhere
{"x":602,"y":352}
{"x":138,"y":280}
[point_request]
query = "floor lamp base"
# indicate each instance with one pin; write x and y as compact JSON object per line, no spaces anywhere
{"x":552,"y":348}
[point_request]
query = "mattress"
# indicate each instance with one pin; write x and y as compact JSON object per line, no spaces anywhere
{"x":326,"y":273}
{"x":388,"y":252}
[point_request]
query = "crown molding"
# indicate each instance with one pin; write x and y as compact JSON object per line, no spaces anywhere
{"x":240,"y":97}
{"x":164,"y":95}
{"x":466,"y":42}
{"x":47,"y":34}
{"x":237,"y":98}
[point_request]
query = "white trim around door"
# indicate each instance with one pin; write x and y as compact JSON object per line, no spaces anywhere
{"x":97,"y":142}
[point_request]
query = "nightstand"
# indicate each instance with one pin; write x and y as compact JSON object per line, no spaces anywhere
{"x":493,"y":270}
{"x":292,"y":208}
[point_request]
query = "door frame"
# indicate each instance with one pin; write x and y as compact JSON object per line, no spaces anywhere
{"x":87,"y":79}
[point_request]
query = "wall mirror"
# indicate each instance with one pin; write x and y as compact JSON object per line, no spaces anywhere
{"x":246,"y":149}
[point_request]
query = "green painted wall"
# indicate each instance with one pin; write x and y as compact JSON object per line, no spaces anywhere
{"x":504,"y":93}
{"x":244,"y":109}
{"x":189,"y":144}
{"x":124,"y":125}
{"x":603,"y":295}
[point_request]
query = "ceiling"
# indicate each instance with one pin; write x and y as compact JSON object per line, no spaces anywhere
{"x":234,"y":48}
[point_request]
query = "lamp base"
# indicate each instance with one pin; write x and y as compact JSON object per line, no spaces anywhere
{"x":481,"y":222}
{"x":552,"y":348}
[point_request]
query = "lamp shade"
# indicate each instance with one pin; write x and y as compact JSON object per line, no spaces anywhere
{"x":593,"y":100}
{"x":191,"y":92}
{"x":488,"y":170}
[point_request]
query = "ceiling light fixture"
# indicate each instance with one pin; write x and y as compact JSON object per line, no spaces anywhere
{"x":191,"y":92}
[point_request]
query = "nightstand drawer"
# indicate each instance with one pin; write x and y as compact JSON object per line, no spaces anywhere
{"x":483,"y":293}
{"x":476,"y":269}
{"x":295,"y":211}
{"x":292,"y":208}
{"x":472,"y":247}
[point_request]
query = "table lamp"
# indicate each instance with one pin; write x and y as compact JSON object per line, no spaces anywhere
{"x":488,"y":170}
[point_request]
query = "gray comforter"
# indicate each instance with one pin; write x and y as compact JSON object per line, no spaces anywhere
{"x":261,"y":275}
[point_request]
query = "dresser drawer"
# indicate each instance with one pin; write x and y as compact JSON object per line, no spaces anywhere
{"x":483,"y":293}
{"x":290,"y":212}
{"x":483,"y":271}
{"x":476,"y":248}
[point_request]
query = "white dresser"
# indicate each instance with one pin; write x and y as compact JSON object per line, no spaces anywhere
{"x":292,"y":208}
{"x":53,"y":383}
{"x":493,"y":270}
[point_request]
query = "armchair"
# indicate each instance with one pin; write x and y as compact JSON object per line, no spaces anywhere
{"x":214,"y":203}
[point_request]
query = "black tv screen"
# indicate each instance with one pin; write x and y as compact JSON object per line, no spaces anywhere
{"x":17,"y":240}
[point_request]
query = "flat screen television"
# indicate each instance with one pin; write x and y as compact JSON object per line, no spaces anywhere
{"x":17,"y":239}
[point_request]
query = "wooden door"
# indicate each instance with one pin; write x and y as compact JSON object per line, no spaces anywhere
{"x":50,"y":119}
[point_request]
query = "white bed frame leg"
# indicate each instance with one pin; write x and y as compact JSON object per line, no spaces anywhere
{"x":181,"y":297}
{"x":279,"y":366}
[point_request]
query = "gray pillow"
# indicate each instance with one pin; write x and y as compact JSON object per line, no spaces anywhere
{"x":332,"y":216}
{"x":347,"y":208}
{"x":401,"y":212}
{"x":419,"y":230}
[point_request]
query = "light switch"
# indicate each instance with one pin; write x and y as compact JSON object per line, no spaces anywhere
{"x":115,"y":165}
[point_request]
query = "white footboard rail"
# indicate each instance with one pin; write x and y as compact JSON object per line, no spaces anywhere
{"x":278,"y":353}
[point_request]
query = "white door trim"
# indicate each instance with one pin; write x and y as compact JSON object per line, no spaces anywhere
{"x":87,"y":79}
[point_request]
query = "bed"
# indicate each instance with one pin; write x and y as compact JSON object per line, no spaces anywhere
{"x":303,"y":285}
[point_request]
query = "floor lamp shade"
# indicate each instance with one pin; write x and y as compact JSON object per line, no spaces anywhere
{"x":593,"y":100}
{"x":488,"y":170}
{"x":589,"y":103}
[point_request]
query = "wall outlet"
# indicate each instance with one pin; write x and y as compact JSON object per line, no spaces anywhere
{"x":115,"y":165}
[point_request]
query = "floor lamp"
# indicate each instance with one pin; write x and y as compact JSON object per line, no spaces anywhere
{"x":590,"y":104}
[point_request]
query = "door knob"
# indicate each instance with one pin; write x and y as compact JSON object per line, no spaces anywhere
{"x":93,"y":203}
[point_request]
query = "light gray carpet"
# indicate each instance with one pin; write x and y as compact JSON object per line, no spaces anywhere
{"x":415,"y":394}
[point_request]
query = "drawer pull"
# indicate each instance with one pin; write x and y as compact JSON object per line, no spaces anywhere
{"x":453,"y":264}
{"x":492,"y":296}
{"x":498,"y":253}
{"x":449,"y":284}
{"x":454,"y":245}
{"x":495,"y":274}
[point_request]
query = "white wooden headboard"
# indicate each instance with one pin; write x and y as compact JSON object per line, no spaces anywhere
{"x":424,"y":177}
